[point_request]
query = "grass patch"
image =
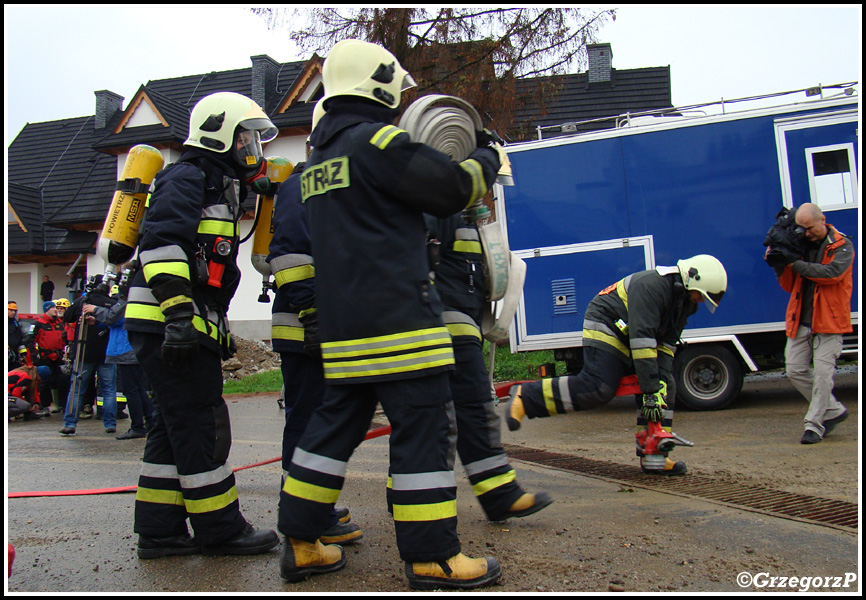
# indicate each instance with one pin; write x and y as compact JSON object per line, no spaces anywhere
{"x":507,"y":367}
{"x":266,"y":381}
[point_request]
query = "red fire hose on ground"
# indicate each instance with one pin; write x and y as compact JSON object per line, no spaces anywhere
{"x":627,"y":386}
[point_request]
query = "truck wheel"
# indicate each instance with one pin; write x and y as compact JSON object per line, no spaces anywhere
{"x":707,"y":377}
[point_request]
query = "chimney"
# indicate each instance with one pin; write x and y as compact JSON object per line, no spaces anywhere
{"x":600,"y":58}
{"x":107,"y":103}
{"x":264,"y":78}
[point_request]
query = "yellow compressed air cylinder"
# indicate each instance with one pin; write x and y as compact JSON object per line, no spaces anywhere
{"x":119,"y":237}
{"x":279,"y":169}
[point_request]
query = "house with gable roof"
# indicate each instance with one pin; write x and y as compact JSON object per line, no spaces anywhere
{"x":62,"y":174}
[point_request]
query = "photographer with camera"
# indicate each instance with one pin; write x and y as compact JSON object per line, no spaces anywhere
{"x":88,"y":348}
{"x":820,"y":282}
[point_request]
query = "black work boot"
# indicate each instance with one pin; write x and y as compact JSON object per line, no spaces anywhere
{"x":248,"y":541}
{"x":173,"y":545}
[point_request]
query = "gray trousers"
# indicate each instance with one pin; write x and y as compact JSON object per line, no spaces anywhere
{"x":816,"y":385}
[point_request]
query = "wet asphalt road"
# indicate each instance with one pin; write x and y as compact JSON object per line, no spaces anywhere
{"x":593,"y":538}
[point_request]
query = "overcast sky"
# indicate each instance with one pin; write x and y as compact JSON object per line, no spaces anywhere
{"x":57,"y":56}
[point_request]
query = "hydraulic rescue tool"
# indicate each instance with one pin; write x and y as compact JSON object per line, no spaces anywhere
{"x":654,"y":443}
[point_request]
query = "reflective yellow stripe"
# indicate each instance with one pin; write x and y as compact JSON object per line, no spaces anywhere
{"x":639,"y":353}
{"x":309,"y":491}
{"x":294,"y":274}
{"x":384,"y":136}
{"x":211,"y":504}
{"x":383,"y":343}
{"x":425,"y":512}
{"x":284,"y":332}
{"x":607,"y":339}
{"x":666,"y":350}
{"x":173,"y":497}
{"x":547,"y":391}
{"x":177,"y":268}
{"x":494,"y":482}
{"x":223,"y":228}
{"x":621,"y":292}
{"x":479,"y":187}
{"x":147,"y":312}
{"x":456,"y":329}
{"x":467,"y":246}
{"x":388,"y":365}
{"x":174,"y":302}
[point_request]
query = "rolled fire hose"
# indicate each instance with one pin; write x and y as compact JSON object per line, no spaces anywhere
{"x":448,"y":124}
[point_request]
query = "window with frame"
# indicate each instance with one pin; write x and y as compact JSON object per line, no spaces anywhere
{"x":832,"y":178}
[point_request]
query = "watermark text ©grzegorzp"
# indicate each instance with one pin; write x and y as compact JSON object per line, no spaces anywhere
{"x":802,"y":584}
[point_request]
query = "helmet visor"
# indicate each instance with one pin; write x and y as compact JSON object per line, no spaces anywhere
{"x":714,"y":299}
{"x":408,"y":82}
{"x":248,"y":148}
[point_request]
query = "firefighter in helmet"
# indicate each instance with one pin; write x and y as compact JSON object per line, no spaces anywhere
{"x":366,"y":186}
{"x":632,"y":326}
{"x":176,"y":318}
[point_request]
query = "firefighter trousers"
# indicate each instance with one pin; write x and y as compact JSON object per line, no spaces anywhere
{"x":593,"y":387}
{"x":422,"y":441}
{"x":303,"y":391}
{"x":479,"y":443}
{"x":184,"y":472}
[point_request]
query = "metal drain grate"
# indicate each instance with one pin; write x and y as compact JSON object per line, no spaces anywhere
{"x":812,"y":509}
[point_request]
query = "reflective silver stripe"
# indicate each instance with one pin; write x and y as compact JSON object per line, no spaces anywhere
{"x":200,"y":480}
{"x":173,"y":252}
{"x":597,"y":326}
{"x":564,"y":395}
{"x":287,"y":261}
{"x":486,"y":464}
{"x":423,"y":481}
{"x":454,"y":316}
{"x":467,"y":233}
{"x":285,"y":320}
{"x":219,"y":212}
{"x":159,"y":471}
{"x":636,"y":343}
{"x":142,"y":295}
{"x":626,"y":280}
{"x":319,"y":463}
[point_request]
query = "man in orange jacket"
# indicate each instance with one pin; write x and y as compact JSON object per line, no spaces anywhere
{"x":819,"y":312}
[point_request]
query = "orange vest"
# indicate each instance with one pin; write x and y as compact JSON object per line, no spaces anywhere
{"x":831,"y":304}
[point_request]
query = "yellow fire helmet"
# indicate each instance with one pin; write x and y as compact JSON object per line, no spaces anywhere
{"x":358,"y":68}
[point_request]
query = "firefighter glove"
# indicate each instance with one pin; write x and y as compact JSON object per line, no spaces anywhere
{"x":484,"y":139}
{"x":181,"y":341}
{"x":310,"y":320}
{"x":654,"y":404}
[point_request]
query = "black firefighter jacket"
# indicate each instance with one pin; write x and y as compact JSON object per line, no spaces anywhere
{"x":194,"y":204}
{"x":366,"y":187}
{"x":640,"y":318}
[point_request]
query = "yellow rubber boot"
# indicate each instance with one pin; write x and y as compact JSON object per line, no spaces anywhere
{"x":528,"y":504}
{"x":301,"y":559}
{"x":459,"y":571}
{"x":516,"y":412}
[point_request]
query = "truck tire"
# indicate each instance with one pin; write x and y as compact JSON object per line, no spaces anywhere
{"x":708,"y":377}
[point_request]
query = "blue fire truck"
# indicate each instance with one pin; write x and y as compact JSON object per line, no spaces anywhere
{"x":590,"y":208}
